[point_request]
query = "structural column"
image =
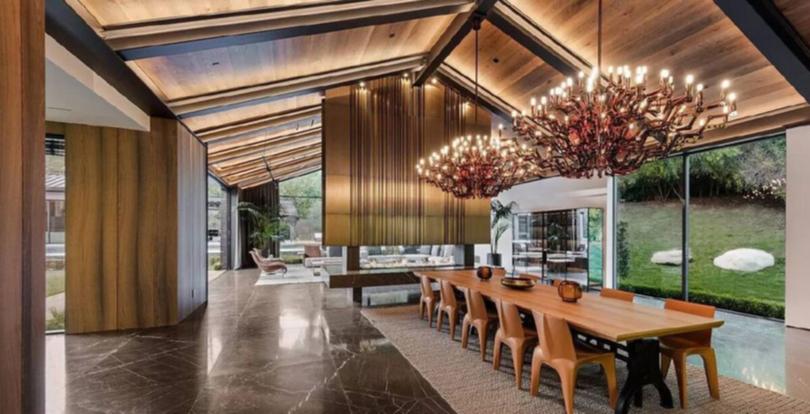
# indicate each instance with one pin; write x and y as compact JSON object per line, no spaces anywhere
{"x":22,"y":206}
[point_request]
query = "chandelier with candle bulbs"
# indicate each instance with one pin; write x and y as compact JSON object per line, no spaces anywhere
{"x":610,"y":124}
{"x":479,"y":166}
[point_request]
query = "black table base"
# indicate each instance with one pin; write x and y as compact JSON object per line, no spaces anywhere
{"x":643,"y":369}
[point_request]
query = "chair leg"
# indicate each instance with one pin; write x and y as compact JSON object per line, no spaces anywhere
{"x":451,"y":318}
{"x":537,"y":367}
{"x":421,"y":309}
{"x":482,"y":339}
{"x":496,"y":353}
{"x":665,"y":363}
{"x":609,"y":367}
{"x":430,"y":310}
{"x":465,"y":333}
{"x":440,"y":319}
{"x":568,"y":379}
{"x":710,"y":366}
{"x":517,"y":361}
{"x":680,"y":370}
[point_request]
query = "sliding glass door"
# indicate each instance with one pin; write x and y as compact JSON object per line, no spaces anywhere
{"x":733,"y":218}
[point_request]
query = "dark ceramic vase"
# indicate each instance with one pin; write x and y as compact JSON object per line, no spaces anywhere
{"x":569,"y":291}
{"x":494,"y":259}
{"x":484,"y":272}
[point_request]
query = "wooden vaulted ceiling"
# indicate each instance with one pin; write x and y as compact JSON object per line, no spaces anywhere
{"x":247,"y":76}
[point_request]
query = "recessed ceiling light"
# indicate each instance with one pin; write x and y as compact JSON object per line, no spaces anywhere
{"x":214,"y":63}
{"x":496,"y":60}
{"x":391,"y":35}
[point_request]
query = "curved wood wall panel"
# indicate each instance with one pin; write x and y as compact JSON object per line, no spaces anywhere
{"x":373,"y":138}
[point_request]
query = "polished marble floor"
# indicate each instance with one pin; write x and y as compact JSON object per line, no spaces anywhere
{"x":264,"y":349}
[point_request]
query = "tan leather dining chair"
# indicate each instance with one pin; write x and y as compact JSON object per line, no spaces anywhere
{"x":617,"y":294}
{"x":427,"y":302}
{"x":513,"y":334}
{"x":448,"y":304}
{"x":477,"y":317}
{"x":676,"y":348}
{"x":558,"y":351}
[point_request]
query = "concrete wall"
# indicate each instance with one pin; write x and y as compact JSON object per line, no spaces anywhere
{"x":797,"y":236}
{"x":544,"y":195}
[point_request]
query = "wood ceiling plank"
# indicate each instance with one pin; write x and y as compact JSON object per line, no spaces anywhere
{"x":261,"y":164}
{"x":291,"y":135}
{"x":245,"y":150}
{"x":278,"y":155}
{"x":257,"y":94}
{"x":232,"y":131}
{"x":797,"y":12}
{"x":236,"y":115}
{"x":162,"y":38}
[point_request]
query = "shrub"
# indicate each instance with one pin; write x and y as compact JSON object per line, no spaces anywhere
{"x":739,"y":304}
{"x":622,"y":249}
{"x":57,"y":320}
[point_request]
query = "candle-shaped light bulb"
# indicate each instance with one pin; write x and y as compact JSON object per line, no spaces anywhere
{"x":725,"y":84}
{"x":533,"y":101}
{"x":664,"y":73}
{"x":690,"y":79}
{"x":700,"y":87}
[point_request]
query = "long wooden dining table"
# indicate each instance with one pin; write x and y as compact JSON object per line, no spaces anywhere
{"x":632,"y":327}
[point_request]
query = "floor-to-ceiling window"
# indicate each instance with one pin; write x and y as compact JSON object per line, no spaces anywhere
{"x":301,"y":207}
{"x":734,"y":216}
{"x":649,"y":229}
{"x":55,"y":233}
{"x":217,"y":227}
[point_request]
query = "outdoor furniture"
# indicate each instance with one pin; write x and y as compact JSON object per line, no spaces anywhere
{"x":617,"y":294}
{"x":633,"y":328}
{"x":557,"y":350}
{"x":448,"y":304}
{"x":477,"y":317}
{"x":513,"y":334}
{"x":676,"y":348}
{"x":268,"y":266}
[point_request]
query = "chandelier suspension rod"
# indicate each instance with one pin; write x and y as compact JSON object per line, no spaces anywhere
{"x":476,"y":28}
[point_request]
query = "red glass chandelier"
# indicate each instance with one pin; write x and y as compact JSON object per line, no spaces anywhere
{"x":610,"y":124}
{"x":480,"y":166}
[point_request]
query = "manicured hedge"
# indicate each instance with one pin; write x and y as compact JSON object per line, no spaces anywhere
{"x":738,"y":304}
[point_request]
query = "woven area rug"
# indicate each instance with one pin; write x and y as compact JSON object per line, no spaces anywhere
{"x":470,"y":385}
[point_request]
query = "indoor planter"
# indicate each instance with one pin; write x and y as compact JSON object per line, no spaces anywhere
{"x":501,"y":222}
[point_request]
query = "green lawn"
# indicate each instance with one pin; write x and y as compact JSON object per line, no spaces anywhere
{"x":715,"y":228}
{"x":54,"y":282}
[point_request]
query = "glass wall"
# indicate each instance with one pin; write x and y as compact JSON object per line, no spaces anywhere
{"x":649,"y":229}
{"x":395,"y":257}
{"x":55,"y":182}
{"x":735,"y":216}
{"x":302,"y":208}
{"x":217,"y":226}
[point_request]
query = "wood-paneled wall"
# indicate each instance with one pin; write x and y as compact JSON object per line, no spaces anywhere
{"x":127,"y":263}
{"x":22,"y":206}
{"x":373,"y":138}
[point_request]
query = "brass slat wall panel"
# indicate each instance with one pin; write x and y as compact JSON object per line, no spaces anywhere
{"x":373,"y":138}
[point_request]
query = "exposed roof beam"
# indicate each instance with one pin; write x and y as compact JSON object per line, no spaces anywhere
{"x":284,"y":137}
{"x":161,"y":38}
{"x":534,"y":38}
{"x":259,"y":167}
{"x":288,"y":153}
{"x":776,"y":39}
{"x":286,"y":88}
{"x":466,"y":86}
{"x":458,"y":29}
{"x":283,"y":174}
{"x":261,"y":146}
{"x":236,"y":130}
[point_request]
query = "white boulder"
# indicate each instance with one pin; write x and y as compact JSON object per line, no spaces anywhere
{"x":744,"y":260}
{"x":672,"y":257}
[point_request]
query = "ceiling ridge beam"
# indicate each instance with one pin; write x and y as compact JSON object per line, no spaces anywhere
{"x":515,"y":24}
{"x":458,"y":29}
{"x":209,"y":32}
{"x":775,"y":38}
{"x":464,"y":85}
{"x":286,"y":88}
{"x":236,"y":130}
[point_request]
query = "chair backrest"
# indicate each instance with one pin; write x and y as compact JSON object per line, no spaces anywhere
{"x":447,"y":293}
{"x":555,"y":337}
{"x":555,"y":282}
{"x":700,"y":337}
{"x":256,"y":259}
{"x":475,"y":304}
{"x":425,"y":286}
{"x":312,"y":251}
{"x":509,"y":319}
{"x":617,"y":294}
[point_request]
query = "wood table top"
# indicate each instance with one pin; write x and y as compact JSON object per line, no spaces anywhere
{"x":607,"y":318}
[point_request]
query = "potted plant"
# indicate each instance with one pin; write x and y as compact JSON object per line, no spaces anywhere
{"x":267,"y":224}
{"x":501,"y":222}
